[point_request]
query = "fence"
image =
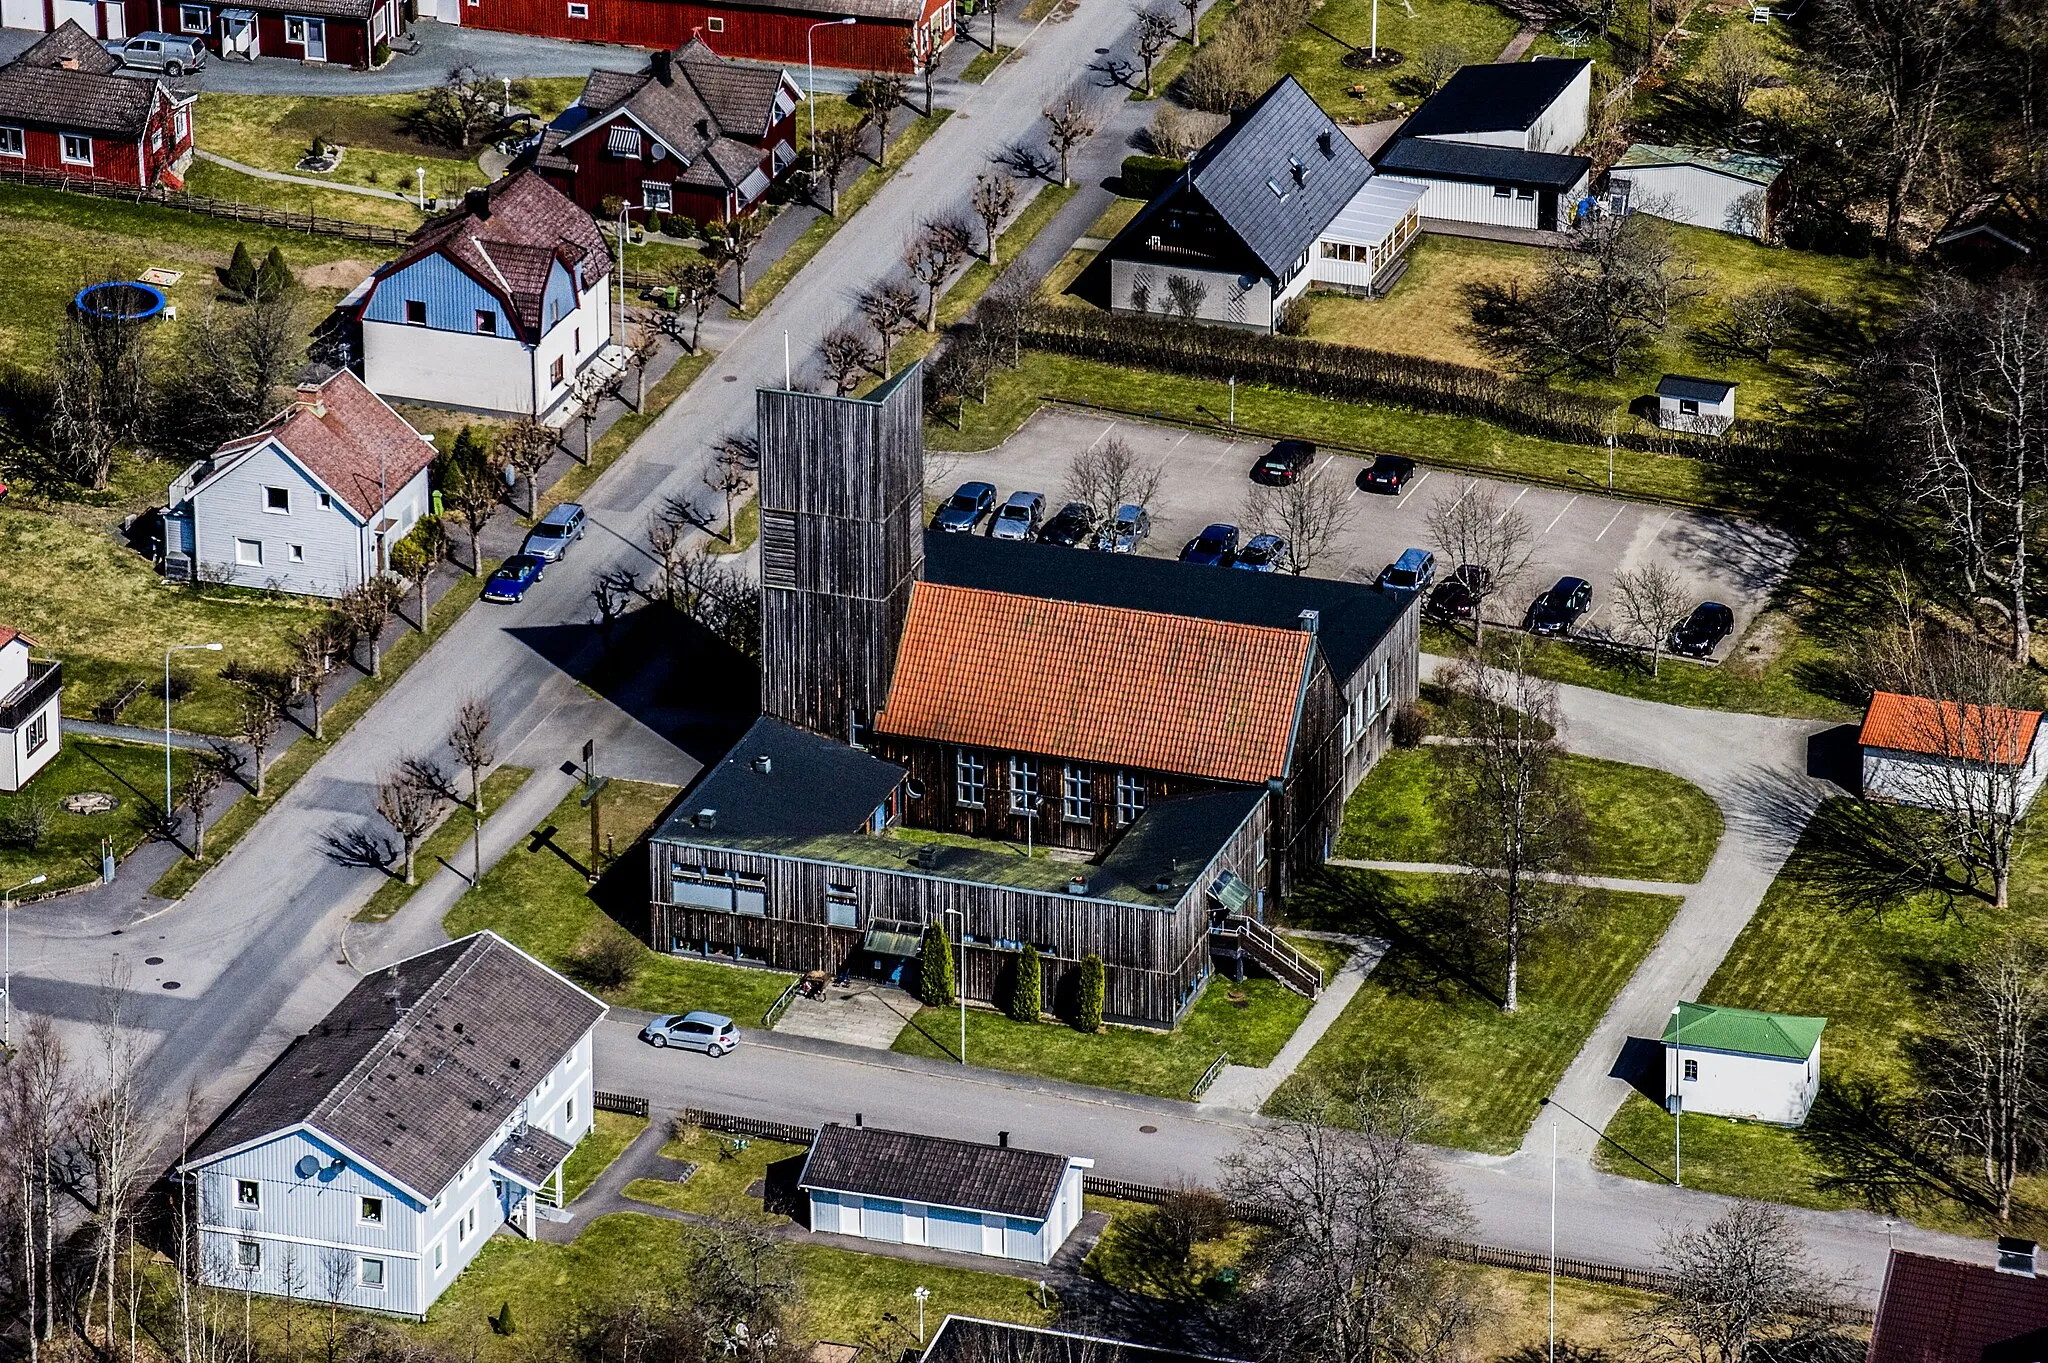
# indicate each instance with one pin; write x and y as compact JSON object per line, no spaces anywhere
{"x":1216,"y":1067}
{"x":206,"y":206}
{"x":732,"y":1125}
{"x":776,"y":1008}
{"x":630,"y":1104}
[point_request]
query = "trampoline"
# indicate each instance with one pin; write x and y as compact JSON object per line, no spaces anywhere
{"x":120,"y":301}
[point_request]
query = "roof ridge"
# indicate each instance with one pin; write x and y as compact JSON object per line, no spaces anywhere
{"x":350,"y":1082}
{"x":1061,"y":602}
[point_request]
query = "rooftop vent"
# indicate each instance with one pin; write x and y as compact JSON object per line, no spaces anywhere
{"x":1002,"y":1140}
{"x":1300,"y":171}
{"x":1279,"y":192}
{"x":927,"y":855}
{"x":764,"y":764}
{"x":1308,"y":621}
{"x":477,"y":202}
{"x":1163,"y":885}
{"x":705,"y":818}
{"x":2017,"y":1256}
{"x":1324,"y":144}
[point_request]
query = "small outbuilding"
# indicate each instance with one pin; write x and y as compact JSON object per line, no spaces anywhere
{"x":1924,"y":752}
{"x":1736,"y":1062}
{"x":1695,"y":406}
{"x":31,"y":694}
{"x":904,"y":1188}
{"x":1727,"y":191}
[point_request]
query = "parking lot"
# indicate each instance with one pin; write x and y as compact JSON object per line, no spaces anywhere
{"x":1207,"y":478}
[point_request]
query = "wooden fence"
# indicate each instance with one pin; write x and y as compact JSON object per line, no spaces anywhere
{"x":287,"y":219}
{"x":758,"y":1127}
{"x":630,"y":1104}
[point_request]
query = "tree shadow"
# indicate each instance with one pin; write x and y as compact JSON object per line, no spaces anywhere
{"x":1435,"y":950}
{"x":1568,"y":1351}
{"x":359,"y":846}
{"x":1875,"y":1145}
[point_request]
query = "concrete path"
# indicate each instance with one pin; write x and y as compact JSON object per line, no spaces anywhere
{"x":1245,"y":1088}
{"x":1518,"y":46}
{"x":1442,"y":868}
{"x":180,"y":739}
{"x":286,"y":178}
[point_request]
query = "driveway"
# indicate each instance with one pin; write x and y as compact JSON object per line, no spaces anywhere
{"x":1583,"y":534}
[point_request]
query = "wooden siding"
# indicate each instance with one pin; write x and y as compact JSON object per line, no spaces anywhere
{"x":139,"y":162}
{"x":757,"y":33}
{"x":348,"y":40}
{"x":600,"y":174}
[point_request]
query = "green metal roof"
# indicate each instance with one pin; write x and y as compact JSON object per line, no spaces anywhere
{"x":1743,"y":1029}
{"x":1742,"y":165}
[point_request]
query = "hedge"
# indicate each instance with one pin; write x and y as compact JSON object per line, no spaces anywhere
{"x":1145,"y":176}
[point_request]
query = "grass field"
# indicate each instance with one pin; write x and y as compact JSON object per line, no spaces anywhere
{"x":609,"y":1135}
{"x":447,"y":845}
{"x":69,"y":853}
{"x":1431,"y":1009}
{"x":1646,"y":824}
{"x":721,"y":1183}
{"x":1315,"y":54}
{"x":225,"y":182}
{"x":1820,"y":946}
{"x":1137,"y":1254}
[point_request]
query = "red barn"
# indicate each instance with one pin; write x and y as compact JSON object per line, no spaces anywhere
{"x":65,"y":112}
{"x":880,"y":38}
{"x":345,"y":32}
{"x":693,"y":134}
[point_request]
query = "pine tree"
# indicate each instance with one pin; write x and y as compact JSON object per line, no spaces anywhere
{"x":241,"y":272}
{"x":1088,"y":1008}
{"x":935,"y":968}
{"x":1027,"y":992}
{"x":275,"y":278}
{"x":503,"y":1323}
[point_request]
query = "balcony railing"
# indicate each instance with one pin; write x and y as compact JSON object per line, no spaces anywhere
{"x":45,"y":680}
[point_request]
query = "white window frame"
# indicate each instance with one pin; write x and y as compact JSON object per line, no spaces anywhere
{"x":1024,"y":785}
{"x":271,"y":495}
{"x":440,"y":1254}
{"x":569,"y":1112}
{"x":64,"y":141}
{"x":657,"y":197}
{"x":369,"y":1211}
{"x":249,"y":553}
{"x":1130,"y":797}
{"x":37,"y":733}
{"x":295,"y":552}
{"x":249,"y":1256}
{"x":13,"y":141}
{"x":248,"y":1193}
{"x":1077,"y":793}
{"x":578,"y":10}
{"x":714,"y":23}
{"x":185,"y":23}
{"x":364,"y":1280}
{"x":1503,"y":191}
{"x":970,"y":779}
{"x":424,"y":314}
{"x":181,"y":123}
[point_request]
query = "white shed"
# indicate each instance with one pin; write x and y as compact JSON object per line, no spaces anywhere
{"x":1736,"y":1062}
{"x":1936,"y":754}
{"x":30,"y":698}
{"x":911,"y":1189}
{"x":1728,"y":191}
{"x":1695,"y":406}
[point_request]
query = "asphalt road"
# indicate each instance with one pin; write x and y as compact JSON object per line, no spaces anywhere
{"x":1589,"y":535}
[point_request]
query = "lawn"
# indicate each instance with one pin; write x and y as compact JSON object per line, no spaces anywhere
{"x":1137,"y":1254}
{"x":537,"y":897}
{"x":1431,"y":1008}
{"x":721,"y":1183}
{"x":69,"y":852}
{"x":1822,"y":944}
{"x":1315,"y":54}
{"x":609,"y":1135}
{"x":1645,"y":824}
{"x":1251,"y":1021}
{"x":225,"y":182}
{"x":984,"y":64}
{"x":447,"y":845}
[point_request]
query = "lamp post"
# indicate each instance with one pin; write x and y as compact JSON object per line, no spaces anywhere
{"x":505,"y":105}
{"x":420,"y":174}
{"x":811,"y":82}
{"x":1676,"y":1102}
{"x":174,"y":648}
{"x":7,"y":978}
{"x":1375,"y":30}
{"x":922,"y":1295}
{"x":960,"y":975}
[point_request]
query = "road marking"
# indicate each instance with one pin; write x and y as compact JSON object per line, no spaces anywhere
{"x":1403,"y":501}
{"x":1177,"y":444}
{"x":1560,"y":515}
{"x":1610,"y":524}
{"x":1511,"y":506}
{"x":1104,"y":436}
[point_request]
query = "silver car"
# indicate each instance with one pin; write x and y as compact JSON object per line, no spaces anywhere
{"x":712,"y":1033}
{"x":1125,"y":531}
{"x":1019,"y":518}
{"x":171,"y":53}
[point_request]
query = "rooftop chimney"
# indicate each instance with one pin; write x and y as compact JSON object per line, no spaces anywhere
{"x":856,"y":1119}
{"x":1309,"y":620}
{"x":1002,"y":1140}
{"x":68,"y":63}
{"x":663,"y":63}
{"x":477,"y":203}
{"x":706,"y":818}
{"x":2017,"y":1256}
{"x":764,"y":764}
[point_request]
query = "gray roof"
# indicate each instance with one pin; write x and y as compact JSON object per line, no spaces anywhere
{"x":421,"y":1064}
{"x":1493,"y":97}
{"x":86,"y":96}
{"x":1284,"y":140}
{"x":1739,"y":165}
{"x":530,"y":1155}
{"x":910,"y":1167}
{"x":811,"y":785}
{"x":1429,"y":158}
{"x":1692,"y":389}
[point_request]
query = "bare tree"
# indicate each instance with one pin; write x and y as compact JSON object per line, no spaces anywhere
{"x":1756,"y":321}
{"x":525,"y":447}
{"x":641,"y":343}
{"x":1155,"y":33}
{"x":114,"y":1132}
{"x":1069,"y":121}
{"x":1476,"y":530}
{"x":1990,"y":1094}
{"x":1735,"y":66}
{"x":99,"y":390}
{"x":1652,"y":602}
{"x":993,"y":196}
{"x":594,"y":387}
{"x":469,"y":738}
{"x":1437,"y":64}
{"x":890,"y":307}
{"x":696,"y":285}
{"x":930,"y":255}
{"x":367,"y":609}
{"x":313,"y":653}
{"x":409,"y":804}
{"x":835,"y":149}
{"x":201,"y":784}
{"x":1743,"y":1291}
{"x":1193,"y":8}
{"x":473,"y":495}
{"x":1109,"y":474}
{"x":1596,"y":306}
{"x":1311,"y":514}
{"x":846,"y":354}
{"x":734,"y":456}
{"x":925,"y":58}
{"x":462,"y":108}
{"x":734,"y":242}
{"x":261,"y":718}
{"x":37,"y":1094}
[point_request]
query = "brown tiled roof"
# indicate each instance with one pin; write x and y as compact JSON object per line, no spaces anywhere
{"x":38,"y":88}
{"x":1945,"y":1311}
{"x":740,"y":97}
{"x":344,"y":435}
{"x":916,"y":1168}
{"x":508,"y":249}
{"x":1947,"y":729}
{"x":421,"y":1064}
{"x":699,"y":109}
{"x":1169,"y":693}
{"x":723,"y":164}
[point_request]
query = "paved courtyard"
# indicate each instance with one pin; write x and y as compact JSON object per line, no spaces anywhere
{"x":1583,"y":534}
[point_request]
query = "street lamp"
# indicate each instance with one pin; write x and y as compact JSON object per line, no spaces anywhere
{"x":960,"y":976}
{"x":420,"y":174}
{"x":174,"y":648}
{"x":922,"y":1294}
{"x":7,"y":981}
{"x":811,"y":83}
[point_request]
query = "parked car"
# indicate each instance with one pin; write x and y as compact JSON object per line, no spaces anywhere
{"x":1261,"y":554}
{"x":1413,"y":572}
{"x":966,"y":509}
{"x":1389,"y":473}
{"x":171,"y":53}
{"x":1700,"y":633}
{"x":1072,"y":528}
{"x":1126,"y":530}
{"x":1457,"y":597}
{"x":1558,"y":610}
{"x":712,"y":1033}
{"x":1284,"y":463}
{"x":1020,"y":517}
{"x":552,"y":535}
{"x":513,"y":577}
{"x":1212,"y":548}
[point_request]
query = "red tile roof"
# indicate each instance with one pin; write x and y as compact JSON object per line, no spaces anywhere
{"x":1167,"y":693}
{"x":1949,"y":729}
{"x":345,"y":436}
{"x":1945,"y":1311}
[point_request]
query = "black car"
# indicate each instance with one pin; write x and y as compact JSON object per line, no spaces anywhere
{"x":1212,"y":548}
{"x":1700,"y":633}
{"x":1557,"y":610}
{"x":1389,"y":473}
{"x":1458,"y":596}
{"x":1284,"y":463}
{"x":1072,"y":528}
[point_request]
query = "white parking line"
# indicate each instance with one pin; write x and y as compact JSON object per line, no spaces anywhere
{"x":1610,"y":524}
{"x":1511,"y":506}
{"x":1560,"y":515}
{"x":1178,"y":443}
{"x":1105,"y":435}
{"x":1411,"y":491}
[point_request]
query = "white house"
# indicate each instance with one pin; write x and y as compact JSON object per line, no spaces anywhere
{"x":313,"y":502}
{"x":495,"y":307}
{"x":1735,"y":1062}
{"x":30,"y":696}
{"x":371,"y":1162}
{"x":1937,"y":754}
{"x":908,"y":1189}
{"x":1695,"y":406}
{"x":1728,"y":191}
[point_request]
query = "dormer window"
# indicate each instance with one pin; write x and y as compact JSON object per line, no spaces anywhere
{"x":1279,"y":190}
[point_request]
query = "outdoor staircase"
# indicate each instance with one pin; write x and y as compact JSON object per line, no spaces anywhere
{"x":1246,"y":939}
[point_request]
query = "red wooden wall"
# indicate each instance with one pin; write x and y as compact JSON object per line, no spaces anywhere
{"x":760,"y":34}
{"x":113,"y":159}
{"x":601,"y":175}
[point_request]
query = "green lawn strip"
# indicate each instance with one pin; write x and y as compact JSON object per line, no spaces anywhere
{"x":1431,"y":1009}
{"x":1137,"y":1254}
{"x":746,"y":528}
{"x":1315,"y":54}
{"x":536,"y":898}
{"x":340,"y":717}
{"x":719,"y":1184}
{"x":445,"y":844}
{"x":1819,"y":947}
{"x":69,"y":851}
{"x":851,"y":1297}
{"x":606,"y":449}
{"x":609,"y":1135}
{"x":985,"y":62}
{"x":274,"y":132}
{"x":762,"y":291}
{"x":225,"y":182}
{"x":1646,"y":824}
{"x":1175,"y":59}
{"x":1115,"y":219}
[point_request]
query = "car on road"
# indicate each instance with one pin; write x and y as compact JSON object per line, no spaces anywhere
{"x":1559,"y":610}
{"x":1413,"y":572}
{"x":712,"y":1033}
{"x":966,"y":509}
{"x":1126,"y":530}
{"x":513,"y":577}
{"x":1388,"y":473}
{"x":553,"y":533}
{"x":171,"y":53}
{"x":1212,"y":548}
{"x":1284,"y":463}
{"x":1700,"y":633}
{"x":1020,"y":517}
{"x":1261,"y":554}
{"x":1072,"y":528}
{"x":1457,"y":597}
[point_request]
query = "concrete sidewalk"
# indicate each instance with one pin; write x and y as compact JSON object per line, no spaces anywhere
{"x":1441,"y":868}
{"x":1245,"y":1088}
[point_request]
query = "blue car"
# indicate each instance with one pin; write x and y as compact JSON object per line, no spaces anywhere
{"x":1261,"y":554}
{"x":513,"y":577}
{"x":1212,"y":548}
{"x":968,"y":507}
